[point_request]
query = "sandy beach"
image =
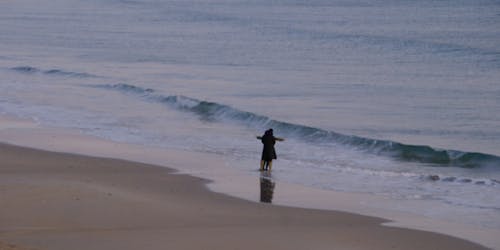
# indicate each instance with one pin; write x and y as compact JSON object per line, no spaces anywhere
{"x":65,"y":201}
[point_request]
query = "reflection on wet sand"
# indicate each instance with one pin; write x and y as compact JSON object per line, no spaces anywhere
{"x":266,"y":187}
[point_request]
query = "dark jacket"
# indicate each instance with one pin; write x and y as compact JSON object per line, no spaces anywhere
{"x":268,"y":152}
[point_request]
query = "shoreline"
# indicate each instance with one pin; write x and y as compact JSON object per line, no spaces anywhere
{"x":20,"y":132}
{"x":61,"y":200}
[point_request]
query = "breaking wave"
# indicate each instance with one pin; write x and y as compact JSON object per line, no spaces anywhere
{"x":25,"y":69}
{"x":57,"y":72}
{"x":212,"y":111}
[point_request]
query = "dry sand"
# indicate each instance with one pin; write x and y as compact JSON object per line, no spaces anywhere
{"x":63,"y":201}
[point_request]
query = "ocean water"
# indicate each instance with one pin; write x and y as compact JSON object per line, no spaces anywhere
{"x":395,"y":98}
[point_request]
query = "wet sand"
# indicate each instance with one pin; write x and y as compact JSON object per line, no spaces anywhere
{"x":64,"y":201}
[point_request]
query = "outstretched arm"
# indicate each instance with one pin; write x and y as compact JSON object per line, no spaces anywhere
{"x":279,"y":139}
{"x":259,"y":137}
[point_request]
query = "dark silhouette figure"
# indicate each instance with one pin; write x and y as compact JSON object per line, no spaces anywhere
{"x":268,"y":152}
{"x":266,"y":188}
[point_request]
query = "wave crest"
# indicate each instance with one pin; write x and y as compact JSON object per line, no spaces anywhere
{"x":57,"y":72}
{"x":212,"y":111}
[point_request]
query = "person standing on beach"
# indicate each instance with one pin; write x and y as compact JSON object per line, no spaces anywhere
{"x":268,"y":152}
